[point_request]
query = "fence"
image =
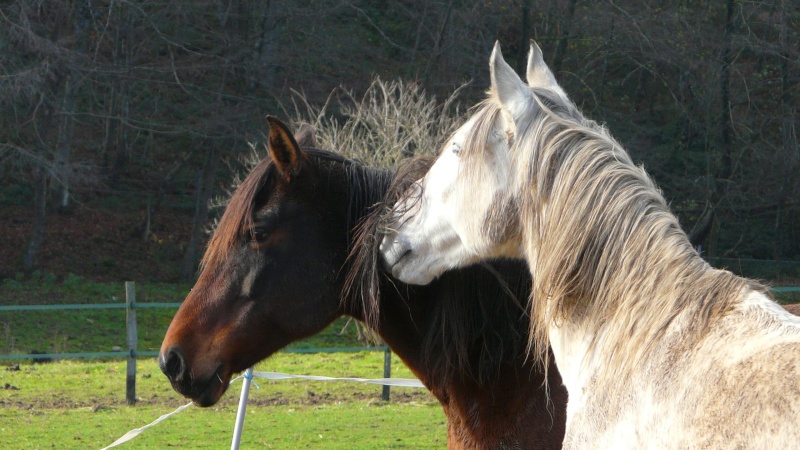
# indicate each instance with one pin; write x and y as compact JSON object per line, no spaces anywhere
{"x":131,"y":340}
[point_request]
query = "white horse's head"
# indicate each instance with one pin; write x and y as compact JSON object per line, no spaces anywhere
{"x":465,"y":209}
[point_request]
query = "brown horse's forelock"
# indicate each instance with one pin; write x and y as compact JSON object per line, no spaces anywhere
{"x":238,"y":216}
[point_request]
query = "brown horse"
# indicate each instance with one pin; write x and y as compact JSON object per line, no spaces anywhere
{"x":274,"y":272}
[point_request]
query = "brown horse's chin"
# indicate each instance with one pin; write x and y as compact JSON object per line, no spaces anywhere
{"x":211,"y":396}
{"x":208,"y":392}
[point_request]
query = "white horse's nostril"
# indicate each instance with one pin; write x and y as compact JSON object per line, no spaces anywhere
{"x":393,"y":250}
{"x":400,"y":249}
{"x":403,"y":255}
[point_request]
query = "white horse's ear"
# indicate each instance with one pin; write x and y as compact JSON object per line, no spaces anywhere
{"x":514,"y":95}
{"x":539,"y":75}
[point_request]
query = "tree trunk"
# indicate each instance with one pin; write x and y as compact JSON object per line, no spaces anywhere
{"x":726,"y":127}
{"x":433,"y":61}
{"x":266,"y":47}
{"x":791,"y":154}
{"x":118,"y":141}
{"x":604,"y":68}
{"x":524,"y":37}
{"x":418,"y":36}
{"x":725,"y":171}
{"x":153,"y":205}
{"x":561,"y":48}
{"x":61,"y":169}
{"x":39,"y":219}
{"x":203,"y":190}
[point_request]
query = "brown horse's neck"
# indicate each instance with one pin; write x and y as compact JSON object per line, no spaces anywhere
{"x":490,"y":402}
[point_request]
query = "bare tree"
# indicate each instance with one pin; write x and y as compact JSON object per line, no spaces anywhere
{"x":121,"y":93}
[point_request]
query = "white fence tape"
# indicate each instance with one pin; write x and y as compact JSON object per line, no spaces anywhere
{"x":133,"y":433}
{"x":401,"y":382}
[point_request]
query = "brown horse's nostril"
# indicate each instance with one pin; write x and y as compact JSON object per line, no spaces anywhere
{"x":173,"y":364}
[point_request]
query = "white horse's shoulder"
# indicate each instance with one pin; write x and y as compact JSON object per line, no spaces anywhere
{"x":756,"y":336}
{"x":745,"y":375}
{"x":760,"y":304}
{"x":759,"y":317}
{"x":750,"y":379}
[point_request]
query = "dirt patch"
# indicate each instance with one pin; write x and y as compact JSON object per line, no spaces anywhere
{"x":227,"y":401}
{"x":419,"y":396}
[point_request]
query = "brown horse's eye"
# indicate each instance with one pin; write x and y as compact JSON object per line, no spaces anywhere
{"x":259,"y":235}
{"x":265,"y":224}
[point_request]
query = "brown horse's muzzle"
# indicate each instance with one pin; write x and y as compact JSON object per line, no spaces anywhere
{"x":204,"y":389}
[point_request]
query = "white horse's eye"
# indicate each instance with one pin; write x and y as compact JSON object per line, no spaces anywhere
{"x":456,"y":149}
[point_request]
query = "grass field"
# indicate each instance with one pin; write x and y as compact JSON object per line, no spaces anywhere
{"x":81,"y":404}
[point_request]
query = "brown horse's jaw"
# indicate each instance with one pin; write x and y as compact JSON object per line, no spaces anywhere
{"x":211,"y":396}
{"x":207,"y":392}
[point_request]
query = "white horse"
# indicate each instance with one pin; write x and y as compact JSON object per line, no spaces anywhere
{"x":656,"y":348}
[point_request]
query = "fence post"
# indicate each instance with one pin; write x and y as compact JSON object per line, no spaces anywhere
{"x":242,"y":410}
{"x":131,"y":339}
{"x":387,"y":372}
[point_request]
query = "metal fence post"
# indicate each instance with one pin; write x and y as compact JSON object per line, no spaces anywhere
{"x":242,"y":410}
{"x":387,"y":372}
{"x":131,"y":339}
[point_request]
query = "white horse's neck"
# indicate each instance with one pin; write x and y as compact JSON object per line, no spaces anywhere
{"x":571,"y":348}
{"x":614,"y":266}
{"x":583,"y":345}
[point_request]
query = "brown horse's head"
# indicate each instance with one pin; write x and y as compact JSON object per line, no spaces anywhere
{"x":270,"y":274}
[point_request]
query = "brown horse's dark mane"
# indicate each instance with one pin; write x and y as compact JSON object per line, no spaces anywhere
{"x":477,"y":324}
{"x":363,"y":279}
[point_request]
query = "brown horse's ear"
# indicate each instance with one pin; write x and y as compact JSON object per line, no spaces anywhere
{"x":283,"y":148}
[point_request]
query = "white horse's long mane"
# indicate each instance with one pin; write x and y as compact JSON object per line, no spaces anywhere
{"x":605,"y":248}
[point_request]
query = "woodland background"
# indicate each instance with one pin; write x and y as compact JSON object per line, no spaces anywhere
{"x":121,"y":120}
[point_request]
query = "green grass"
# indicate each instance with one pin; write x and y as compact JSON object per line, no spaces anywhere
{"x":80,"y":404}
{"x":333,"y":426}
